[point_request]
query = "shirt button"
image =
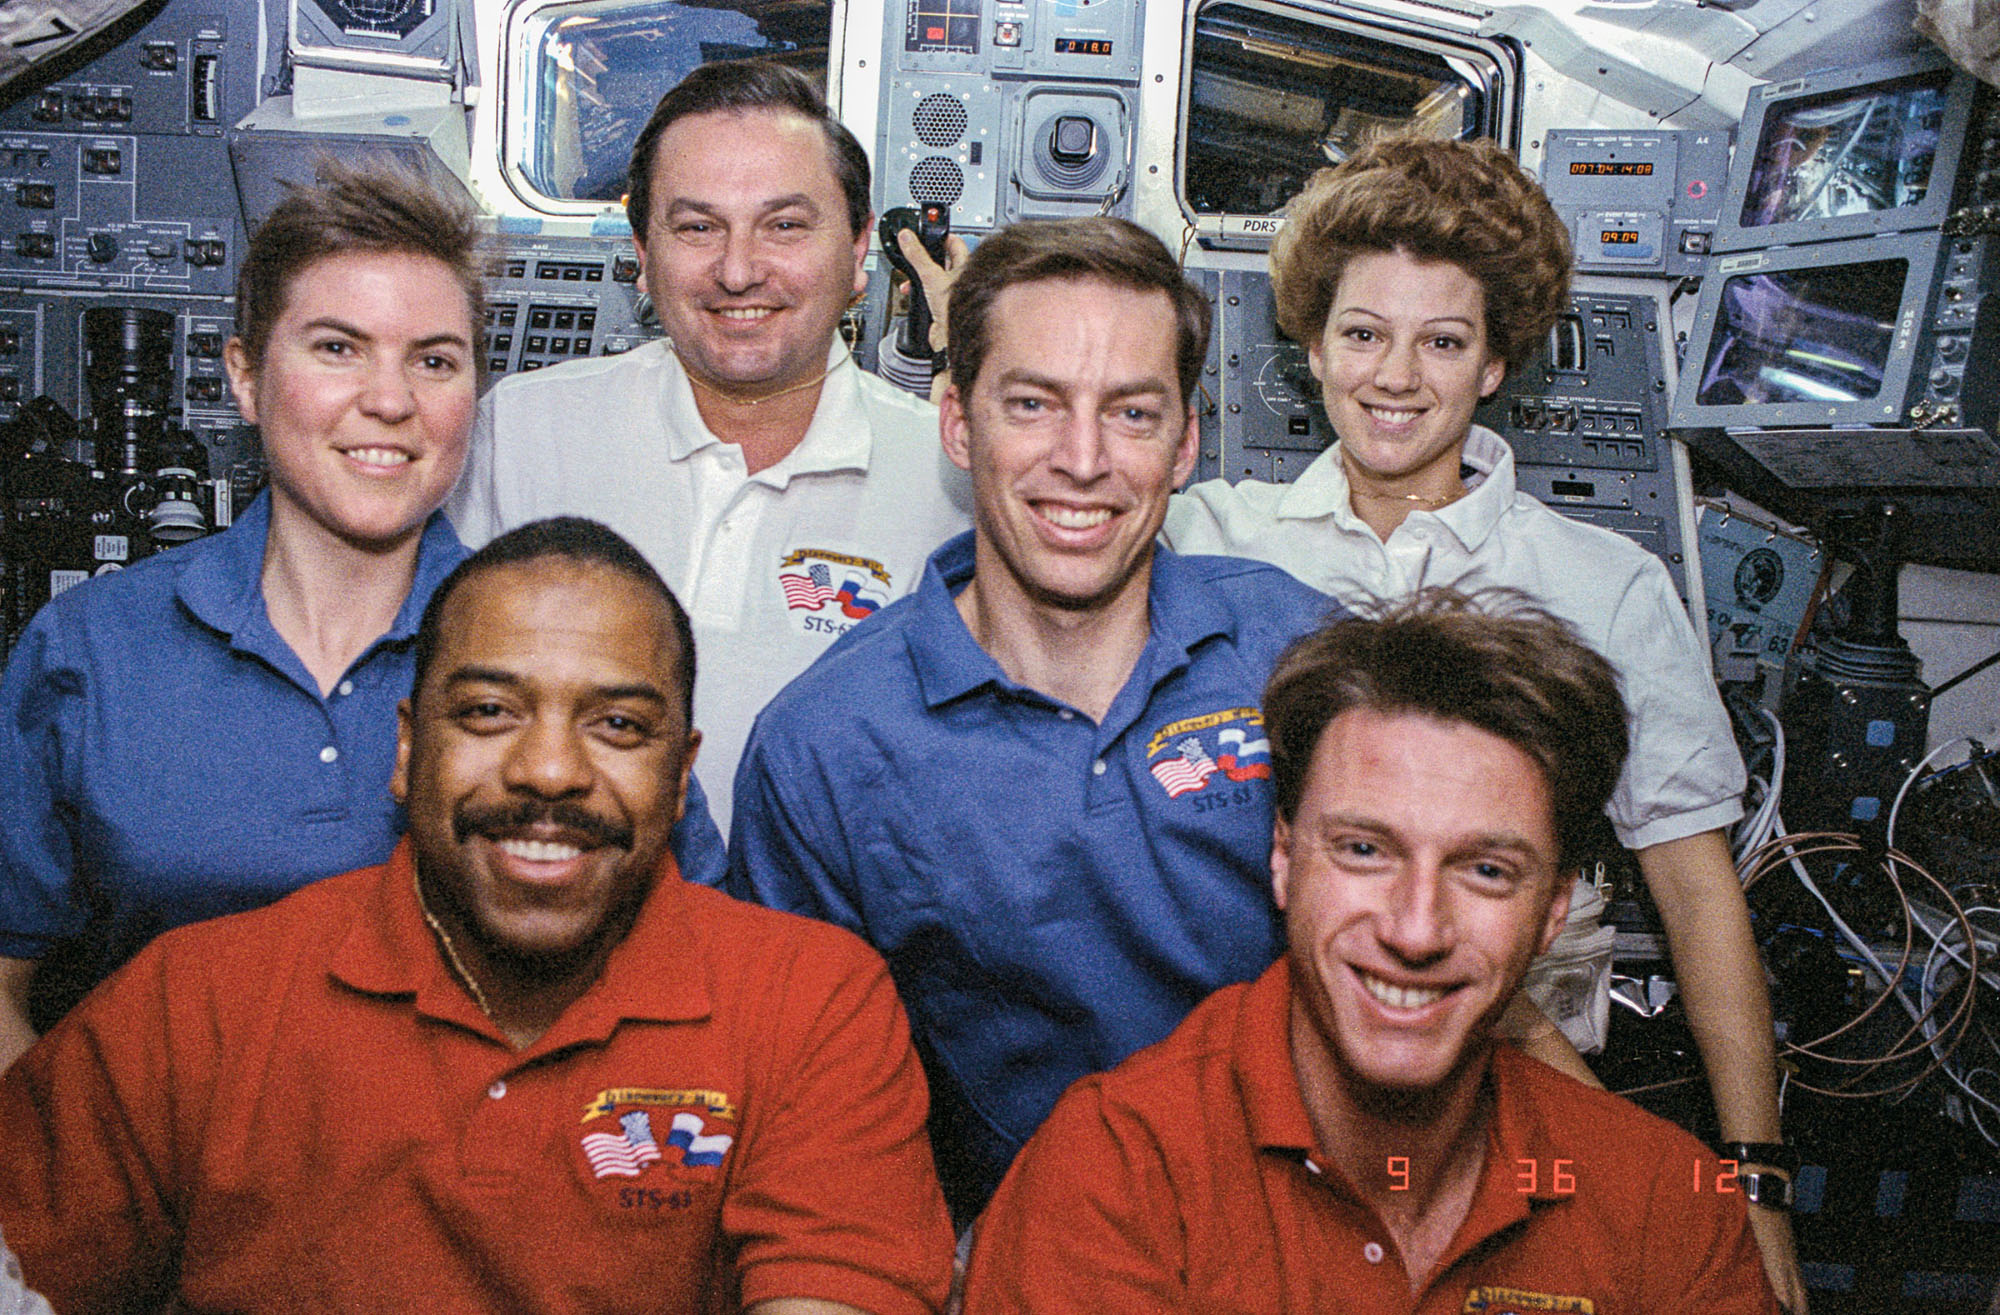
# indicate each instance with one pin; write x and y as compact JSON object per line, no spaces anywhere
{"x":499,"y":1089}
{"x":1067,"y":715}
{"x":1097,"y":768}
{"x":1372,"y":1253}
{"x":345,"y":687}
{"x":328,"y":754}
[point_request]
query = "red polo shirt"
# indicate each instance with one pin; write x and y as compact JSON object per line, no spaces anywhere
{"x":1187,"y":1179}
{"x":301,"y":1108}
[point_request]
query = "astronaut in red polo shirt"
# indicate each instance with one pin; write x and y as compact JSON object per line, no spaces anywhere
{"x":522,"y":1066}
{"x":1344,"y":1133}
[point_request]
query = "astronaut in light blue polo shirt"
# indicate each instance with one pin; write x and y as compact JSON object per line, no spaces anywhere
{"x":1040,"y":785}
{"x":165,"y":757}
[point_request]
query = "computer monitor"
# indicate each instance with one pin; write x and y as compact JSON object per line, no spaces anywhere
{"x":1847,"y":153}
{"x":1821,"y":335}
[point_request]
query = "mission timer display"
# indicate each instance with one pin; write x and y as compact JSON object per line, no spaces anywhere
{"x":1611,"y":168}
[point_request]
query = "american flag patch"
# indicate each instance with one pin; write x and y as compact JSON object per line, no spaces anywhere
{"x":808,"y":592}
{"x":1187,"y":772}
{"x":623,"y":1154}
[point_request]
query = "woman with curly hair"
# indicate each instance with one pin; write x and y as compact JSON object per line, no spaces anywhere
{"x":1417,"y":274}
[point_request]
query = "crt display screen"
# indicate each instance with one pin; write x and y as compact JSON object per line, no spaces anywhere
{"x":1856,"y":151}
{"x":1803,"y":335}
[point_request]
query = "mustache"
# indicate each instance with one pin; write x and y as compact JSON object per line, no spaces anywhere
{"x":494,"y":822}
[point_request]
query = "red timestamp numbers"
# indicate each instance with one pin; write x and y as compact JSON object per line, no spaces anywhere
{"x":1718,"y":1176}
{"x":1725,"y":1176}
{"x":1528,"y":1175}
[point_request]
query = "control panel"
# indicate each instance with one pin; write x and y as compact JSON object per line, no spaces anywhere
{"x":1585,"y":416}
{"x":1637,"y":202}
{"x":190,"y":70}
{"x":1005,"y":111}
{"x":550,"y":300}
{"x":1260,"y":411}
{"x":117,"y":212}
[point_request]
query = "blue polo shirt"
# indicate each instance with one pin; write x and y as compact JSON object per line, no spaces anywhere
{"x":165,"y":756}
{"x":1051,"y":894}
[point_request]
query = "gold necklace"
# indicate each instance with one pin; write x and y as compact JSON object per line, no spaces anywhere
{"x":727,"y":396}
{"x":450,"y":950}
{"x":1418,"y":498}
{"x":1421,"y":499}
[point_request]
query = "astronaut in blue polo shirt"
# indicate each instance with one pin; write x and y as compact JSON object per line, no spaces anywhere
{"x":1040,"y":785}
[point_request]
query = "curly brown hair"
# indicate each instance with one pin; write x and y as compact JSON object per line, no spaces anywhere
{"x":1469,"y":203}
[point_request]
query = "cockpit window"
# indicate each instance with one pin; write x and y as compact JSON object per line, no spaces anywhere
{"x":590,"y":74}
{"x":1274,"y":92}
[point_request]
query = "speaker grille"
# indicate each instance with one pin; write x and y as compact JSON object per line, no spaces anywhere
{"x":936,"y":179}
{"x":940,"y":120}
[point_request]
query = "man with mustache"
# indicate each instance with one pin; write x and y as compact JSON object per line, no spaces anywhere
{"x":520,"y":1066}
{"x":1039,"y":785}
{"x":1345,"y":1133}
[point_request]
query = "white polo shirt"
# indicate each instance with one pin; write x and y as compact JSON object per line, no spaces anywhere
{"x":771,"y":567}
{"x":1684,"y":775}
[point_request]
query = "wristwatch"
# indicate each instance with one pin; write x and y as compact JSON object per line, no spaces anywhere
{"x":1762,"y":1187}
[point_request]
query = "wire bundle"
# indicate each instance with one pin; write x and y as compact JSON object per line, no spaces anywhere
{"x":1945,"y":1012}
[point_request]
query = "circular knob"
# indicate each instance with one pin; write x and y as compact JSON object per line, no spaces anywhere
{"x":103,"y":248}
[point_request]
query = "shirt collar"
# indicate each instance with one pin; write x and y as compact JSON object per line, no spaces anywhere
{"x":1520,"y":1130}
{"x":1273,"y":1109}
{"x":1491,"y":489}
{"x":1322,"y":491}
{"x":220,"y":585}
{"x":949,"y":662}
{"x":839,"y":437}
{"x":223,"y":586}
{"x":654,"y":974}
{"x":1184,"y":610}
{"x":438,"y":553}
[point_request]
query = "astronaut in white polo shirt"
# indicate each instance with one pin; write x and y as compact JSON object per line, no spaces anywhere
{"x":784,"y":493}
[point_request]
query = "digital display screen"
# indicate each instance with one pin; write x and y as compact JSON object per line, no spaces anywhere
{"x":942,"y":27}
{"x":398,"y":17}
{"x":1082,"y":46}
{"x":1803,"y":335}
{"x":1618,"y":237}
{"x":1850,"y":152}
{"x":1611,"y":168}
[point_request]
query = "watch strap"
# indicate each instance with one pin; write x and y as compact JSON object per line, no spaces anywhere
{"x":1776,"y":1154}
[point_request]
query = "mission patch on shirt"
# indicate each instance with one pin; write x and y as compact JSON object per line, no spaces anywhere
{"x":827,"y":591}
{"x":1484,"y":1300}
